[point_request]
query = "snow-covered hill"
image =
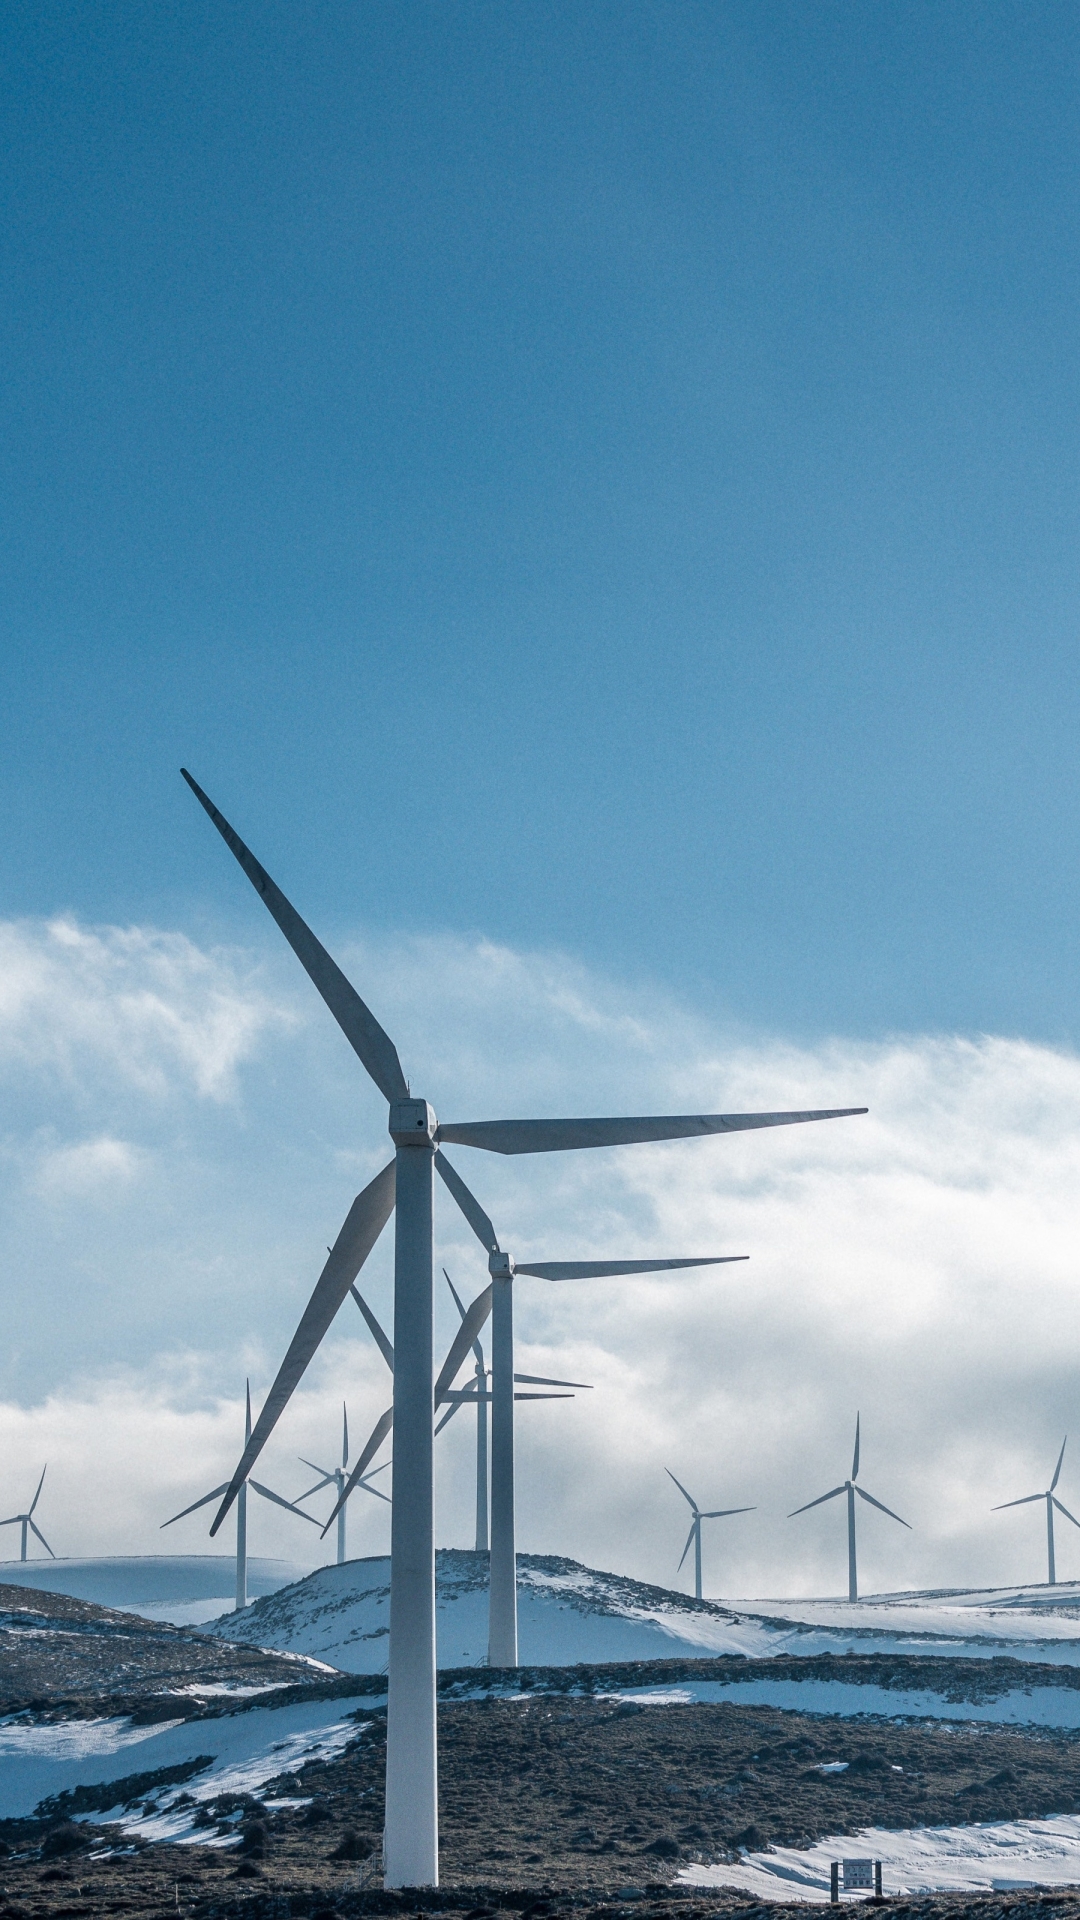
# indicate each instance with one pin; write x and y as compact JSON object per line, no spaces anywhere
{"x":570,"y":1614}
{"x":181,"y":1588}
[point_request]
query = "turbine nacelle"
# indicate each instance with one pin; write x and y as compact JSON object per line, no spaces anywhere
{"x":412,"y":1123}
{"x":501,"y":1266}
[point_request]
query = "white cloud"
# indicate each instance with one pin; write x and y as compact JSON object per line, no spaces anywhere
{"x":128,"y":1004}
{"x":90,"y":1169}
{"x":917,"y":1264}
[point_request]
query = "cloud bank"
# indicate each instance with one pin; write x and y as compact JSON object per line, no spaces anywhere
{"x":186,"y":1129}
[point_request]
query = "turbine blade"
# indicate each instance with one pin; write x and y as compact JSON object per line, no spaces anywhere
{"x":36,"y":1529}
{"x":41,"y":1483}
{"x":469,"y":1204}
{"x":540,"y":1380}
{"x":327,"y":1481}
{"x":458,"y":1301}
{"x":448,"y":1415}
{"x":344,"y":1435}
{"x":556,"y":1136}
{"x":466,"y":1334}
{"x":328,"y":1472}
{"x":1065,"y":1511}
{"x":855,"y":1461}
{"x":822,"y":1497}
{"x":195,"y":1505}
{"x":685,"y":1495}
{"x":460,"y":1305}
{"x":722,"y":1513}
{"x":267,"y":1494}
{"x":869,"y":1498}
{"x":543,"y":1396}
{"x":374,"y":1441}
{"x":374,"y":1328}
{"x":1025,"y":1502}
{"x":364,"y":1222}
{"x":377,"y":1492}
{"x":689,"y":1540}
{"x":16,"y":1517}
{"x":1053,"y":1483}
{"x":604,"y":1269}
{"x":357,"y":1022}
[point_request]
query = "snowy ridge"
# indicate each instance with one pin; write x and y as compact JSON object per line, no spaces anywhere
{"x":571,"y":1615}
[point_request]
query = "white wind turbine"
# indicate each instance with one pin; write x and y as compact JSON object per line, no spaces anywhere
{"x":503,"y":1268}
{"x":411,"y":1851}
{"x":1052,"y":1501}
{"x":445,"y":1395}
{"x":241,"y":1511}
{"x":694,"y":1535}
{"x":26,"y":1520}
{"x":851,"y":1490}
{"x":337,"y":1477}
{"x":477,"y":1395}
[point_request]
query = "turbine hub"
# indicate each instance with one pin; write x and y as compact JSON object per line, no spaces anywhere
{"x":501,"y":1266}
{"x":412,"y":1123}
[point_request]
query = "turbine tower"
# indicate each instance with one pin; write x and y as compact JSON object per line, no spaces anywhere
{"x":1052,"y":1501}
{"x":241,"y":1511}
{"x":718,"y":1513}
{"x":411,"y":1851}
{"x":26,"y":1520}
{"x":336,"y":1477}
{"x":849,"y":1487}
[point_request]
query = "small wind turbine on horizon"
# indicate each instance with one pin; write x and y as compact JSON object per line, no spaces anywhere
{"x":694,"y":1535}
{"x":241,"y":1511}
{"x":478,"y":1395}
{"x":1052,"y":1501}
{"x":337,"y":1477}
{"x":849,"y":1487}
{"x":26,"y":1520}
{"x":406,"y":1186}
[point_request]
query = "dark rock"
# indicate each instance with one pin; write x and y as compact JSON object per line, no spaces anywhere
{"x":351,"y":1846}
{"x":66,"y":1838}
{"x":666,"y":1847}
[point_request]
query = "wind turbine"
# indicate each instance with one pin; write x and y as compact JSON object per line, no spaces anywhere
{"x":502,"y":1573}
{"x":1049,"y":1496}
{"x":411,"y":1849}
{"x":336,"y":1477}
{"x":26,"y":1520}
{"x":479,"y":1396}
{"x":241,"y":1512}
{"x":718,"y":1513}
{"x":448,"y":1396}
{"x":851,"y":1490}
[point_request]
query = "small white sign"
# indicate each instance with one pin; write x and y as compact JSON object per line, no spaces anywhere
{"x":858,"y":1874}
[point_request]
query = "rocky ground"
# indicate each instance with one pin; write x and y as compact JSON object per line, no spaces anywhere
{"x":558,"y":1798}
{"x":54,"y":1649}
{"x":570,"y":1802}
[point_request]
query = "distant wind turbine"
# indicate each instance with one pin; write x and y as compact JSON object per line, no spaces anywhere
{"x":694,"y":1535}
{"x":241,"y":1512}
{"x":337,"y":1477}
{"x":851,"y":1490}
{"x":1052,"y":1501}
{"x":477,"y":1395}
{"x":25,"y":1520}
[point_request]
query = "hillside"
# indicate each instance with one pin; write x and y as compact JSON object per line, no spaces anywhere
{"x":570,"y":1614}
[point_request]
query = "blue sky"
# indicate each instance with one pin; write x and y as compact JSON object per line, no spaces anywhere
{"x":600,"y":477}
{"x":591,"y":492}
